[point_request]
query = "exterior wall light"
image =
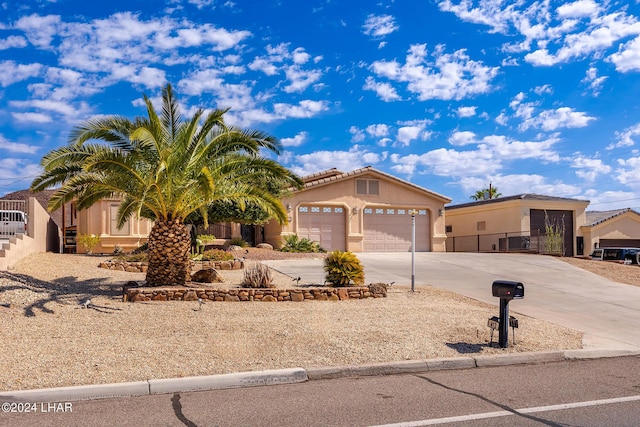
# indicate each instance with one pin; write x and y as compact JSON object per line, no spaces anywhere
{"x":356,"y":210}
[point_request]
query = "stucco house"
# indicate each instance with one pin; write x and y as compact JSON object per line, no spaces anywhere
{"x":612,"y":228}
{"x":100,"y":219}
{"x":364,"y":210}
{"x":517,"y":223}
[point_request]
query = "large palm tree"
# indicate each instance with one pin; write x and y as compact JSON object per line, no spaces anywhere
{"x":164,"y":168}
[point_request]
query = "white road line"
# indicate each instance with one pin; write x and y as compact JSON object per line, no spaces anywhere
{"x":497,"y":414}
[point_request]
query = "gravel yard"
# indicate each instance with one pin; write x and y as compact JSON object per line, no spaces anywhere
{"x":49,"y":339}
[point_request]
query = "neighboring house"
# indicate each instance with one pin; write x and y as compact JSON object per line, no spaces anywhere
{"x":365,"y":210}
{"x":611,"y":228}
{"x":100,"y":219}
{"x":517,"y":223}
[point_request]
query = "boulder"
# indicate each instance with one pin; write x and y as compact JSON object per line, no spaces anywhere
{"x":207,"y":275}
{"x":378,"y":288}
{"x":264,"y":246}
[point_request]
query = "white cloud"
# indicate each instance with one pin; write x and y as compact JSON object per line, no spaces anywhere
{"x":628,"y":56}
{"x":296,"y":141}
{"x":459,"y":138}
{"x":594,"y":82}
{"x":450,"y":76}
{"x":626,"y":137}
{"x":40,"y":30}
{"x":563,"y":117}
{"x":539,"y":90}
{"x":411,"y":131}
{"x":378,"y":130}
{"x":627,"y":173}
{"x":11,"y":72}
{"x":304,"y":109}
{"x":356,"y":157}
{"x":357,"y":134}
{"x":13,"y":42}
{"x":385,"y":91}
{"x":16,"y":147}
{"x":466,"y":111}
{"x":379,"y":26}
{"x":513,"y":184}
{"x":300,"y":79}
{"x":578,"y":9}
{"x":32,"y":117}
{"x":589,"y":168}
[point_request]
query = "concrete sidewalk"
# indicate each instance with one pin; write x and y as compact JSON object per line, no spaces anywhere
{"x":607,"y":312}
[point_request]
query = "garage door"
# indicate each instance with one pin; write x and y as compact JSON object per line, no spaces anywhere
{"x":389,"y":230}
{"x":621,"y":243}
{"x":323,"y":224}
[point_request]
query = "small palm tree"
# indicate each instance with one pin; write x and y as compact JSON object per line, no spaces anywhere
{"x":486,"y":193}
{"x":164,"y":168}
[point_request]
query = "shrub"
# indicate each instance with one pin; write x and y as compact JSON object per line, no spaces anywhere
{"x":237,"y":241}
{"x":141,"y":249}
{"x":295,"y":244}
{"x":204,"y":238}
{"x":257,"y":276}
{"x":217,"y":255}
{"x":343,"y":269}
{"x":89,"y":241}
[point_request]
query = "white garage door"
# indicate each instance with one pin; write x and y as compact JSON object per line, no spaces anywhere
{"x":389,"y":230}
{"x":323,"y":224}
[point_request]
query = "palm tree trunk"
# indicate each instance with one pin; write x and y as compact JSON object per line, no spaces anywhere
{"x":169,"y":262}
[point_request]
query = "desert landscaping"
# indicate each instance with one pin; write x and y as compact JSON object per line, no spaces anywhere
{"x":65,"y":323}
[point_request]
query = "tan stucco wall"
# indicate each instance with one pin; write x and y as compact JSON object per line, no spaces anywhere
{"x":625,"y":226}
{"x":343,"y":193}
{"x":511,"y":216}
{"x":97,"y":220}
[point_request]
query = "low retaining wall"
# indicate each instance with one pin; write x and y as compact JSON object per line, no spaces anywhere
{"x":141,"y":267}
{"x":250,"y":294}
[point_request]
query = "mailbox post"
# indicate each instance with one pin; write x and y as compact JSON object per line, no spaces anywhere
{"x":506,"y":291}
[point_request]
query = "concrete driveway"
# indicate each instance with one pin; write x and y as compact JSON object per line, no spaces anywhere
{"x":607,"y":312}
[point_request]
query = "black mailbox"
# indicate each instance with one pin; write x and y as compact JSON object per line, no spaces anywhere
{"x":508,"y":290}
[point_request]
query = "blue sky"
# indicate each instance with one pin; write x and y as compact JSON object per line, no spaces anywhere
{"x":534,"y":97}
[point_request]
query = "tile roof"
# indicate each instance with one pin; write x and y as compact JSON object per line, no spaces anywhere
{"x":598,"y":217}
{"x":524,"y":196}
{"x":333,"y":175}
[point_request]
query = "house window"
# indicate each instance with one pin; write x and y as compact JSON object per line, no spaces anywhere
{"x":448,"y":229}
{"x":113,"y":223}
{"x":368,"y":186}
{"x":481,"y":226}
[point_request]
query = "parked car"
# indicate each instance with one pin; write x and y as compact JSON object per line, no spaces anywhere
{"x":622,"y":255}
{"x":12,"y":223}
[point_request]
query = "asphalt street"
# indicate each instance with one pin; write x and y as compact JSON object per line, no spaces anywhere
{"x":607,"y":312}
{"x":601,"y":392}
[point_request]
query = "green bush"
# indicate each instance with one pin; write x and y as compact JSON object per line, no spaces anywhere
{"x":217,"y":255}
{"x":89,"y":241}
{"x":237,"y":241}
{"x":293,"y":243}
{"x":204,"y":238}
{"x":343,"y":269}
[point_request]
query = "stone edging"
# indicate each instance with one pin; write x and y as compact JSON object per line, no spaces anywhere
{"x":141,"y":266}
{"x":250,"y":294}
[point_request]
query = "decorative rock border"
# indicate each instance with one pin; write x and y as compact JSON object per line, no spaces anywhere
{"x":250,"y":294}
{"x":141,"y":266}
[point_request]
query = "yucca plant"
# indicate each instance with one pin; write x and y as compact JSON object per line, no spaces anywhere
{"x":343,"y":269}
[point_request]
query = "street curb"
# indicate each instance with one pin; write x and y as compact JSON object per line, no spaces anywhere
{"x":225,"y":381}
{"x":298,"y":375}
{"x":83,"y":392}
